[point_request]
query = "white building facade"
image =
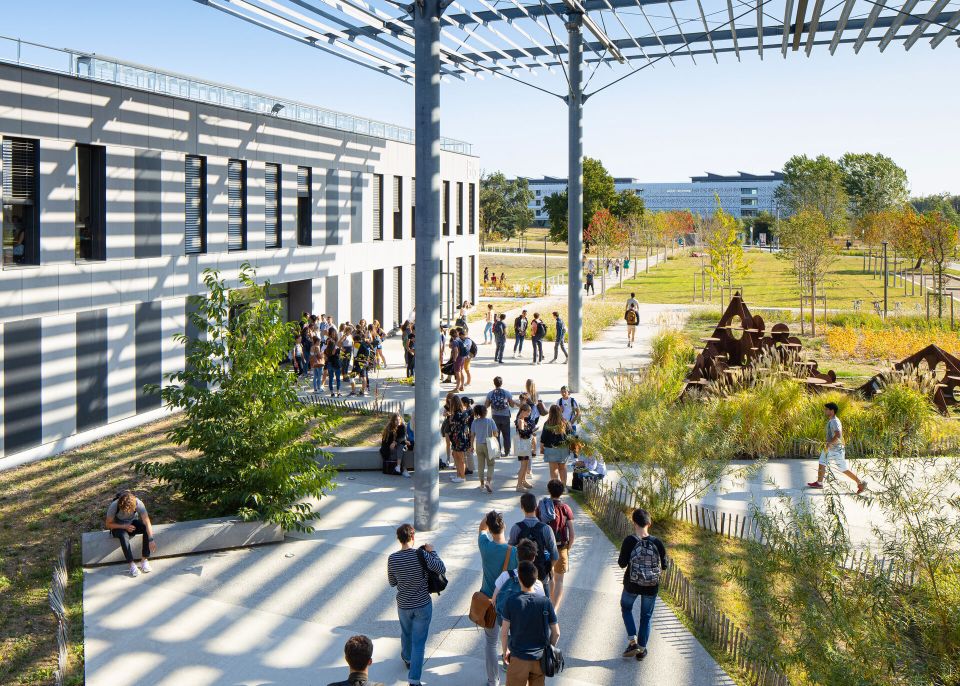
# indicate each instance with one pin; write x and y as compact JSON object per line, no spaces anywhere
{"x":116,"y":198}
{"x":741,"y":195}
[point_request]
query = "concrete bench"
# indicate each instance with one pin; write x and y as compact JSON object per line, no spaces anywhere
{"x":362,"y":459}
{"x":182,"y":538}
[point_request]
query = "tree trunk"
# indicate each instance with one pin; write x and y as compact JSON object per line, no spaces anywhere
{"x":813,"y":306}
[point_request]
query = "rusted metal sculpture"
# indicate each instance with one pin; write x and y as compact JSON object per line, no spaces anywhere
{"x":740,"y":338}
{"x":947,"y":376}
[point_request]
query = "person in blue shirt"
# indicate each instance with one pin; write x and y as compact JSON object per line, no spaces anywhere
{"x":496,"y":557}
{"x":523,"y":632}
{"x":558,"y":343}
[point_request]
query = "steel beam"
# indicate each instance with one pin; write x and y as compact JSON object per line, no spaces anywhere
{"x":426,"y":498}
{"x":917,"y":32}
{"x":814,"y":24}
{"x":868,"y":25}
{"x":575,"y":200}
{"x":949,"y":28}
{"x":897,"y":23}
{"x":842,"y":24}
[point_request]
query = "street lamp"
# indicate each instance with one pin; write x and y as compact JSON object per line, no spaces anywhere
{"x":545,"y":263}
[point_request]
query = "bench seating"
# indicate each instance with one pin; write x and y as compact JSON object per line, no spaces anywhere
{"x":360,"y":459}
{"x":182,"y":538}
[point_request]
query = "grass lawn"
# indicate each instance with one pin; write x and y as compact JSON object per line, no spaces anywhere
{"x":521,"y":268}
{"x":532,"y":241}
{"x":47,"y":502}
{"x":768,"y":284}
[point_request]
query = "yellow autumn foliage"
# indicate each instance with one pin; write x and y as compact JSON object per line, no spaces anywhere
{"x":893,"y":343}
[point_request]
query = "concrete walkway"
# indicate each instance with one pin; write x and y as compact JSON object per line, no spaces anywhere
{"x":280,"y":614}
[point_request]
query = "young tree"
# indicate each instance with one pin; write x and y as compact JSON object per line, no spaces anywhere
{"x":873,"y":183}
{"x":629,"y":209}
{"x":939,"y":236}
{"x":599,"y":193}
{"x":504,"y":205}
{"x":556,"y":208}
{"x":814,"y":184}
{"x":604,"y":234}
{"x":805,"y":241}
{"x":257,"y":444}
{"x":727,"y":259}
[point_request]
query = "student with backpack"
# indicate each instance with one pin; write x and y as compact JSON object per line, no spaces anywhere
{"x":538,"y":330}
{"x":497,"y":557}
{"x":409,"y":570}
{"x":558,"y":345}
{"x":529,"y":624}
{"x":532,"y":529}
{"x":499,"y":401}
{"x":632,"y":318}
{"x":127,"y":517}
{"x":469,"y":348}
{"x":519,"y":333}
{"x":559,"y":517}
{"x":526,"y":444}
{"x":644,"y":558}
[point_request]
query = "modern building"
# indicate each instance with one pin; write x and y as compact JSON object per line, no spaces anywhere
{"x":122,"y":184}
{"x":741,"y":195}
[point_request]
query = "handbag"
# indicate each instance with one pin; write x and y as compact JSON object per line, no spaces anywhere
{"x":482,"y":610}
{"x":493,"y":447}
{"x":436,"y":582}
{"x":551,"y":663}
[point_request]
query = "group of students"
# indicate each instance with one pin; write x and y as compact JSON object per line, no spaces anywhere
{"x":335,"y":354}
{"x":495,"y":331}
{"x":521,"y":590}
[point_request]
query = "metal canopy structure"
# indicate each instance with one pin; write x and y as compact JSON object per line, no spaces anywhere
{"x":572,"y":49}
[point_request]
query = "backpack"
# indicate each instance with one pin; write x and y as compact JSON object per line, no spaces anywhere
{"x":510,"y":589}
{"x":499,"y":399}
{"x":461,"y":323}
{"x":534,"y":327}
{"x":473,"y":348}
{"x":644,"y":568}
{"x":542,"y":561}
{"x":631,"y":317}
{"x":555,"y":516}
{"x":436,"y":582}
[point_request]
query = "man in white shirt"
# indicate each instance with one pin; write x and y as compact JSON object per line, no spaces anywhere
{"x":633,"y":302}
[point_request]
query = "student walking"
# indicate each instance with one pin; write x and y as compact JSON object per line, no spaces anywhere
{"x":558,"y":343}
{"x":553,"y":443}
{"x":127,"y":517}
{"x":410,"y":353}
{"x":632,"y":317}
{"x":481,"y":431}
{"x":459,"y":433}
{"x":559,"y":517}
{"x":499,"y":401}
{"x":532,"y":529}
{"x":519,"y":333}
{"x":644,"y":558}
{"x":632,"y":302}
{"x":358,"y":653}
{"x":834,"y":453}
{"x":469,"y":350}
{"x":407,"y":572}
{"x":499,"y":337}
{"x":496,"y":557}
{"x":538,"y":331}
{"x":488,"y":317}
{"x":526,"y":445}
{"x":528,"y":621}
{"x":588,"y":287}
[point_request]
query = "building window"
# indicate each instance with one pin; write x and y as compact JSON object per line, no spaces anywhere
{"x":91,"y":207}
{"x":748,"y":213}
{"x":538,"y":203}
{"x":748,"y":202}
{"x":538,"y":193}
{"x":459,"y":209}
{"x":459,"y":277}
{"x":473,"y":209}
{"x":21,"y":211}
{"x":397,"y":296}
{"x":413,"y":207}
{"x":472,"y":286}
{"x":304,"y":206}
{"x":446,"y":208}
{"x":748,"y":191}
{"x":398,"y":207}
{"x":195,"y":204}
{"x":378,"y":207}
{"x":236,"y":205}
{"x":271,"y":206}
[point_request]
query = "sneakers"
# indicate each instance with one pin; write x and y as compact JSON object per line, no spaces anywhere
{"x":641,"y":654}
{"x":468,"y":472}
{"x":814,"y":484}
{"x":632,"y":649}
{"x":456,"y":480}
{"x":134,"y":570}
{"x":489,"y":490}
{"x":145,"y":567}
{"x":396,"y":469}
{"x":405,"y":474}
{"x":862,"y":487}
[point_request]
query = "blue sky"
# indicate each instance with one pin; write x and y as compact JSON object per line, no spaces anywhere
{"x":664,"y":124}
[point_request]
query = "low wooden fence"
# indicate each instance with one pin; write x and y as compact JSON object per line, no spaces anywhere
{"x":57,"y":597}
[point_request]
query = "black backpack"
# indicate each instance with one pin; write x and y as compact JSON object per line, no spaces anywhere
{"x":436,"y":582}
{"x":473,"y":348}
{"x":535,"y":534}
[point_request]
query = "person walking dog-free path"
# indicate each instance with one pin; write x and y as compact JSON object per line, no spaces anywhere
{"x":644,"y":558}
{"x":834,"y":453}
{"x":499,"y":401}
{"x":407,"y":572}
{"x":529,"y":621}
{"x":496,"y":557}
{"x":558,"y":343}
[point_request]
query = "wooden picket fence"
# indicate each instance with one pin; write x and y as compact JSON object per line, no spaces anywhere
{"x":57,"y":598}
{"x":610,"y":504}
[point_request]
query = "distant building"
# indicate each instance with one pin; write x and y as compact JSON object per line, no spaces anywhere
{"x":742,"y":195}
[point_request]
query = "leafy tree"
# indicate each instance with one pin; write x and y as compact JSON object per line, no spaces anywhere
{"x":628,"y":205}
{"x":763,"y":222}
{"x":805,"y":241}
{"x":605,"y":234}
{"x":814,"y":184}
{"x":257,"y":444}
{"x":504,"y":205}
{"x":599,"y":193}
{"x":939,"y":238}
{"x":727,"y":259}
{"x":873,"y":183}
{"x":933,"y":202}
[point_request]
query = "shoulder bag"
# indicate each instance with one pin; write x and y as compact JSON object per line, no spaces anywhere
{"x":551,"y":663}
{"x":483,"y":613}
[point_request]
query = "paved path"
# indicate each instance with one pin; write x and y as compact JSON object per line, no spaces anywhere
{"x":280,"y":614}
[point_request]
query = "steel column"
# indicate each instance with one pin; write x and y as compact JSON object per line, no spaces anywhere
{"x":426,"y":501}
{"x":575,"y":200}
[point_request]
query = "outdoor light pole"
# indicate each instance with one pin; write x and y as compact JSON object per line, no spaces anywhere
{"x":426,"y":501}
{"x":545,"y":264}
{"x":886,"y":279}
{"x":575,"y":199}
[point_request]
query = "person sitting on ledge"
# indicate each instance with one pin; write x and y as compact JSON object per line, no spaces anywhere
{"x":127,"y":516}
{"x":358,"y":652}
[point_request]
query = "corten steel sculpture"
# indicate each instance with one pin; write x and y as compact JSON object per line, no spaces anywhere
{"x":947,"y":376}
{"x":740,"y":338}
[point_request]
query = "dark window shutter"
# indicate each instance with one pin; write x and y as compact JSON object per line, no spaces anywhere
{"x":236,"y":205}
{"x":195,"y":184}
{"x":272,"y":205}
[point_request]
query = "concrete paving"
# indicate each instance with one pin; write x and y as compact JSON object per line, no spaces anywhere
{"x":280,"y":614}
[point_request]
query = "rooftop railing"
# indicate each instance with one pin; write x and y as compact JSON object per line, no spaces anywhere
{"x":110,"y":70}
